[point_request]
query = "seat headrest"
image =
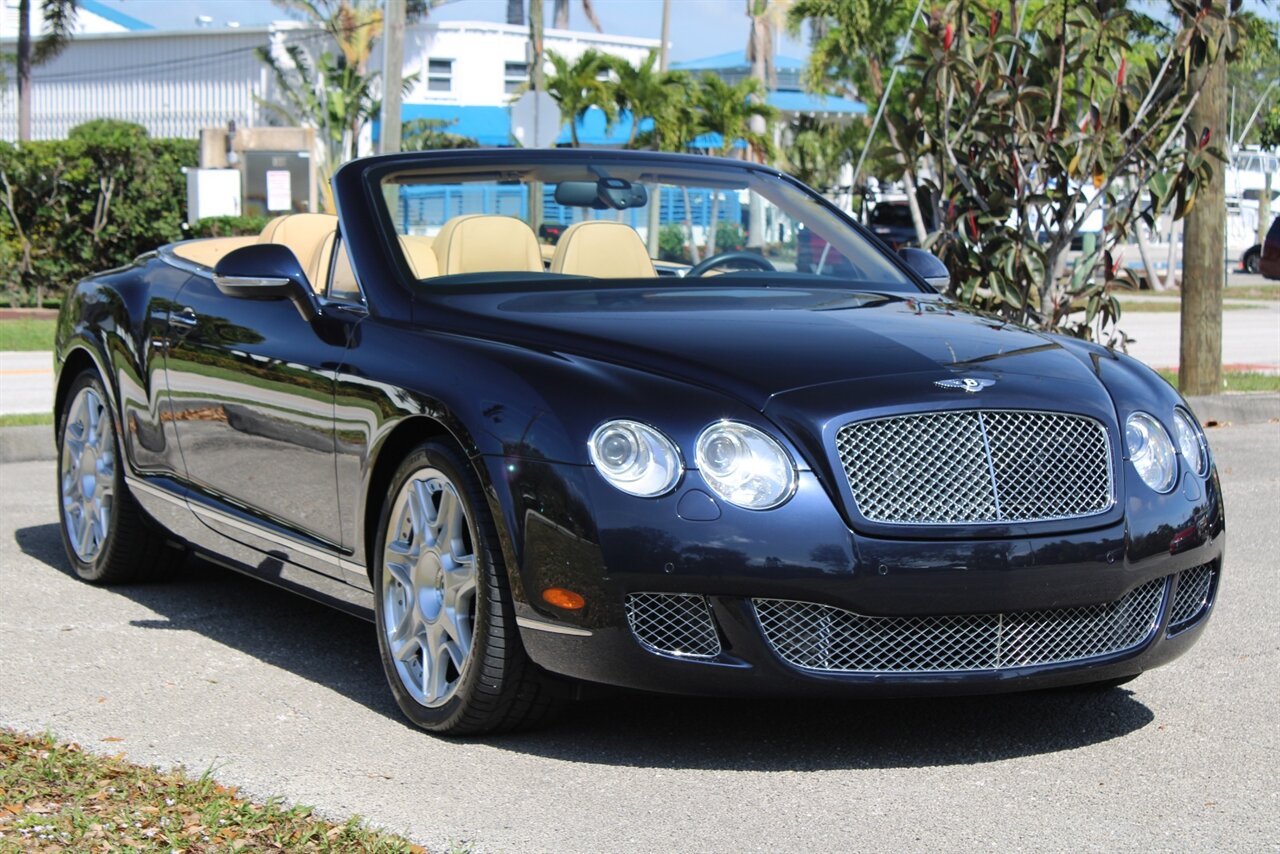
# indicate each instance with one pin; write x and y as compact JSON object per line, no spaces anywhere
{"x":311,"y":237}
{"x":603,"y":249}
{"x":417,"y":251}
{"x":477,"y":243}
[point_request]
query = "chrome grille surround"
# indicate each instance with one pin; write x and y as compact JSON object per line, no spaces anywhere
{"x":832,"y":640}
{"x":677,"y":624}
{"x":977,"y":466}
{"x":1191,"y":599}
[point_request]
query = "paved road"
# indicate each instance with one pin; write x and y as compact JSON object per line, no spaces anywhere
{"x":26,"y":381}
{"x":281,"y":696}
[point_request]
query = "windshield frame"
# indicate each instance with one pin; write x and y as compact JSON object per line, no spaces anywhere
{"x":475,"y":162}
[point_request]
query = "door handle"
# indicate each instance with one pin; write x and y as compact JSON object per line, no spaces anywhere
{"x":185,"y":317}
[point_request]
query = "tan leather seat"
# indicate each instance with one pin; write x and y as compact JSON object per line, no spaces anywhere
{"x":311,"y":237}
{"x":603,"y":249}
{"x":477,"y":243}
{"x":421,"y":257}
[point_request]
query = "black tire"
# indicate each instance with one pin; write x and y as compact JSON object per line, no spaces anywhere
{"x":498,"y":688}
{"x":1252,"y":260}
{"x":129,"y":546}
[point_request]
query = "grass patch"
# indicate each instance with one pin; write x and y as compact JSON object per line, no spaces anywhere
{"x":26,"y":419}
{"x":1258,"y":292}
{"x":1234,"y":380}
{"x":57,"y":797}
{"x":27,"y":333}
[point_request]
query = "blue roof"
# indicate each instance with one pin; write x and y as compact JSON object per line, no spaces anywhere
{"x":802,"y":102}
{"x":114,"y":16}
{"x":736,"y":59}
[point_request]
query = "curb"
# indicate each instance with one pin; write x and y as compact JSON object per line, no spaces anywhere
{"x":1250,"y":407}
{"x":24,"y":444}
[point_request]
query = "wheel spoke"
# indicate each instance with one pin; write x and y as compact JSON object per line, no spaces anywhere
{"x":85,"y":540}
{"x":420,"y":510}
{"x":436,"y":658}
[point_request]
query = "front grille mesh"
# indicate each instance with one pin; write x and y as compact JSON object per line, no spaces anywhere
{"x":1191,"y":601}
{"x":677,"y":624}
{"x":977,"y":466}
{"x":820,"y":637}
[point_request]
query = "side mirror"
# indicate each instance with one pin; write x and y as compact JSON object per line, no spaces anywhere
{"x":925,"y":265}
{"x":266,"y":271}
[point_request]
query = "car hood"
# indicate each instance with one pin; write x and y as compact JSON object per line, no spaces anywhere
{"x":757,"y":343}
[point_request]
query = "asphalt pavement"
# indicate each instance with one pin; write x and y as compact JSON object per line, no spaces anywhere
{"x":282,"y":697}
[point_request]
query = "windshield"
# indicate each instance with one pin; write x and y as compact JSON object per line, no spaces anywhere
{"x":632,"y":218}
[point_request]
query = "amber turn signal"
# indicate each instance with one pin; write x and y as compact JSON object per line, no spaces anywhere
{"x":562,"y":598}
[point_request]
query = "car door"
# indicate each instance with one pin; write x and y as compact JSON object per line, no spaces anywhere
{"x":251,"y":383}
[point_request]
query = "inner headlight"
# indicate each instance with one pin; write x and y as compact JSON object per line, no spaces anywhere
{"x":635,"y":458}
{"x":1151,"y":451}
{"x":1191,"y":443}
{"x":744,"y":466}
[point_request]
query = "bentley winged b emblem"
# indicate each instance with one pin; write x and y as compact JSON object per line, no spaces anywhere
{"x":968,"y":384}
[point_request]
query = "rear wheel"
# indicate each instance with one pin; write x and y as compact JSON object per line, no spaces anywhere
{"x":104,"y":532}
{"x":446,"y":631}
{"x":1252,"y":260}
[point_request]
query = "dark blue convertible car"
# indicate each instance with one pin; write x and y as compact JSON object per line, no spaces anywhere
{"x":649,"y":454}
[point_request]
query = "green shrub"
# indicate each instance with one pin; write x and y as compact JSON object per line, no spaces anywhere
{"x":671,"y":243}
{"x":227,"y":226}
{"x":93,"y":201}
{"x":729,"y":236}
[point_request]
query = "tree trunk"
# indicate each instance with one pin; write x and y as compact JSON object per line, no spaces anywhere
{"x":711,"y":226}
{"x":24,"y":70}
{"x":1203,"y":268}
{"x":537,"y":76}
{"x":694,"y":255}
{"x":1264,"y":210}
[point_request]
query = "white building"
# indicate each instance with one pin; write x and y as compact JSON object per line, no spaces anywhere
{"x":176,"y":82}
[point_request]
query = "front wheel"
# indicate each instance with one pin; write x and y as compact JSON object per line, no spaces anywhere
{"x":1252,"y":260}
{"x":446,"y":631}
{"x":106,"y":537}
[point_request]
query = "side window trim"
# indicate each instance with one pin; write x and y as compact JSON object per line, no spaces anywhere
{"x":333,"y":266}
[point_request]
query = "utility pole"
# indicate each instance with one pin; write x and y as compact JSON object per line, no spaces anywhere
{"x":655,"y":190}
{"x":1204,"y":237}
{"x":393,"y":23}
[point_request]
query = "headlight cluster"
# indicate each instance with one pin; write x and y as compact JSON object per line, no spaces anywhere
{"x":741,"y":464}
{"x":1153,"y":454}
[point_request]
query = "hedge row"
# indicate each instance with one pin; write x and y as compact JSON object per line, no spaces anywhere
{"x":93,"y":201}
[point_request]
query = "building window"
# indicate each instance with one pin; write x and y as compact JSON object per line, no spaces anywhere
{"x":440,"y":75}
{"x":515,"y":75}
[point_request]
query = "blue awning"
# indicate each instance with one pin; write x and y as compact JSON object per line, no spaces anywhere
{"x":803,"y":102}
{"x":735,"y":59}
{"x":488,"y":126}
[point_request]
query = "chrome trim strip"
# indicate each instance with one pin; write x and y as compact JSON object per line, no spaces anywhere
{"x":154,"y":491}
{"x":554,"y":628}
{"x":264,"y":533}
{"x":249,"y":281}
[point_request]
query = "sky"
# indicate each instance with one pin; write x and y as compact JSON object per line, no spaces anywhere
{"x":699,"y":28}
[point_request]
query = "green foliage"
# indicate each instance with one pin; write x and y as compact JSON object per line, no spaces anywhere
{"x":816,"y":150}
{"x":645,"y":92}
{"x":1255,"y":66}
{"x":728,"y":110}
{"x":1268,"y":134}
{"x":430,"y":135}
{"x":671,"y":243}
{"x":96,"y":200}
{"x":729,"y":236}
{"x":1036,"y":129}
{"x":577,"y":87}
{"x":229,"y":226}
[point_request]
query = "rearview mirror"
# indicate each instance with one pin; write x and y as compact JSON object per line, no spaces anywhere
{"x":927,"y":266}
{"x":266,"y":271}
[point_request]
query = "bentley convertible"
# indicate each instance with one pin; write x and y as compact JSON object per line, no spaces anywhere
{"x":564,"y":417}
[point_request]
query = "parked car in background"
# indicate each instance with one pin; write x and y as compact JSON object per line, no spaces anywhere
{"x":530,"y":468}
{"x":1269,"y":257}
{"x":891,"y":222}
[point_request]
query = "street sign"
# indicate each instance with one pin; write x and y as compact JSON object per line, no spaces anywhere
{"x":535,"y":120}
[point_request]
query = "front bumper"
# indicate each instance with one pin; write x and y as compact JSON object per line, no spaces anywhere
{"x":805,"y":552}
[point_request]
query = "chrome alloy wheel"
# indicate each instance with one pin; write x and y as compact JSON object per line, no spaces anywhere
{"x":88,"y":470}
{"x":429,"y":587}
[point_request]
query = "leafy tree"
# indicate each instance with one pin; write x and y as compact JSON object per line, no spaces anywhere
{"x":816,"y":150}
{"x":579,"y":85}
{"x":1255,"y":73}
{"x":643,"y":91}
{"x":59,"y":25}
{"x":431,"y":134}
{"x":1040,"y":122}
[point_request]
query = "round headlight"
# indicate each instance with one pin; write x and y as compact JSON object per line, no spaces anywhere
{"x":1191,"y":443}
{"x":745,"y":466}
{"x":635,"y":458}
{"x":1151,"y":451}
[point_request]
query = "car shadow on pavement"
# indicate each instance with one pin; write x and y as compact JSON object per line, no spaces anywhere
{"x":340,"y":652}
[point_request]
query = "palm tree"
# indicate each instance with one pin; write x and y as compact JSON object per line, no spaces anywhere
{"x":817,"y":151}
{"x":59,"y":24}
{"x":730,"y":110}
{"x":644,"y":92}
{"x":580,"y":85}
